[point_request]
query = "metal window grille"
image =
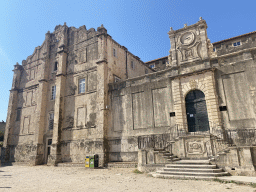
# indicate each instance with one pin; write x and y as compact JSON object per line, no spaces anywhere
{"x":53,"y":92}
{"x":51,"y":120}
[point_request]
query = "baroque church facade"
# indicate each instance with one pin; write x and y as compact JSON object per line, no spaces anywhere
{"x":81,"y":93}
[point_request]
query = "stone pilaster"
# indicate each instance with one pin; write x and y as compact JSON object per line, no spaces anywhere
{"x":173,"y":51}
{"x":60,"y":83}
{"x":203,"y":36}
{"x":41,"y":105}
{"x":179,"y":105}
{"x":12,"y":111}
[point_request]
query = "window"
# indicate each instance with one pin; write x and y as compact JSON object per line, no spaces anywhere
{"x":114,"y":52}
{"x":55,"y":66}
{"x":18,"y":115}
{"x":236,"y":44}
{"x":163,"y":62}
{"x":53,"y":92}
{"x":81,"y":86}
{"x":132,"y":65}
{"x":152,"y":66}
{"x":146,"y":71}
{"x":214,"y":49}
{"x":51,"y":120}
{"x":32,"y":74}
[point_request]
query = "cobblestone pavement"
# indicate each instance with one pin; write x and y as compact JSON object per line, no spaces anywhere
{"x":47,"y":178}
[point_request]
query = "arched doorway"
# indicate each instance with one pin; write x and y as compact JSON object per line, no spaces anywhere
{"x":197,"y":116}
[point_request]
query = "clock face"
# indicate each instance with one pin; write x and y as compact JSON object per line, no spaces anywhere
{"x":187,"y":38}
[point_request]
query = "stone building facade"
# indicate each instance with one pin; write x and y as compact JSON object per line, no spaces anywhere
{"x":58,"y":107}
{"x":82,"y":93}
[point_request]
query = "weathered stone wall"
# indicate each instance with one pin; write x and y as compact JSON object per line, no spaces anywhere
{"x":139,"y":107}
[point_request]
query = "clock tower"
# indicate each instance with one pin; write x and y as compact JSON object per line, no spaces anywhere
{"x":189,"y":44}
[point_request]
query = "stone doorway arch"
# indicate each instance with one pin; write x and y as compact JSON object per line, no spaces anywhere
{"x":196,"y":110}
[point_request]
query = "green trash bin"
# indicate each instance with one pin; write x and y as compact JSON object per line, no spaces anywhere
{"x":91,"y":160}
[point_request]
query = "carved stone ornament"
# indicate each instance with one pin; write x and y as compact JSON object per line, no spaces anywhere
{"x":187,"y":38}
{"x":193,"y":84}
{"x":170,"y":58}
{"x":195,"y":147}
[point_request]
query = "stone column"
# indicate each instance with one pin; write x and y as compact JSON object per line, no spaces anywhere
{"x":12,"y":112}
{"x":102,"y":114}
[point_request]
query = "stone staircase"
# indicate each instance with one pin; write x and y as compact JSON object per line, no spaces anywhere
{"x":167,"y":155}
{"x":190,"y":169}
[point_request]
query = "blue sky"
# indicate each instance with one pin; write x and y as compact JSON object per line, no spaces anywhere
{"x":139,"y":25}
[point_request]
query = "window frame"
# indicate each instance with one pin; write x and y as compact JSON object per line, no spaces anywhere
{"x":51,"y":121}
{"x":114,"y":52}
{"x":18,"y":115}
{"x":152,"y":66}
{"x":55,"y":66}
{"x":53,"y":92}
{"x":235,"y":44}
{"x":132,"y":64}
{"x":79,"y":85}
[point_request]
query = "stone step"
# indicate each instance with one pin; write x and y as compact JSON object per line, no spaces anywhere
{"x":70,"y":164}
{"x":193,"y":162}
{"x":193,"y":170}
{"x":173,"y":159}
{"x":157,"y":175}
{"x":122,"y":165}
{"x":174,"y":165}
{"x":193,"y":173}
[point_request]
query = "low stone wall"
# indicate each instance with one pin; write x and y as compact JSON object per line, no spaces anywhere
{"x":238,"y":161}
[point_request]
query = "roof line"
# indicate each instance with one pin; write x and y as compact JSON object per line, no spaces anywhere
{"x":234,"y":37}
{"x":157,"y":59}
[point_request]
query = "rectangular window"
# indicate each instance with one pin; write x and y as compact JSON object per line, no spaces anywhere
{"x":163,"y":62}
{"x":146,"y":71}
{"x":81,"y":86}
{"x":53,"y":92}
{"x":55,"y":66}
{"x":114,"y":52}
{"x":214,"y":49}
{"x":236,"y":44}
{"x":18,"y":115}
{"x":32,"y":74}
{"x":51,"y":120}
{"x":152,"y":66}
{"x":132,"y":65}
